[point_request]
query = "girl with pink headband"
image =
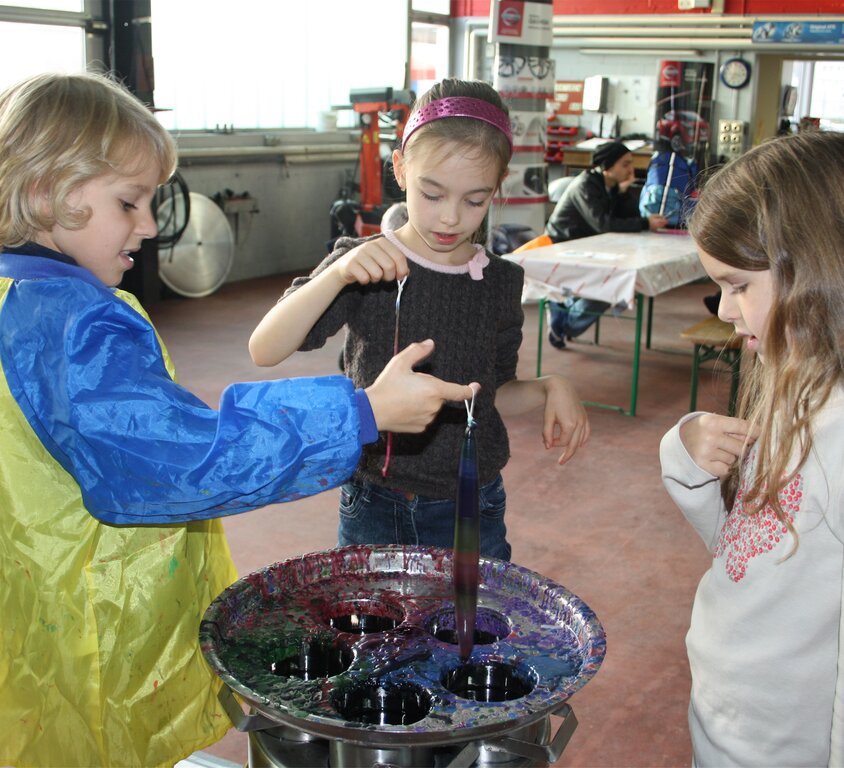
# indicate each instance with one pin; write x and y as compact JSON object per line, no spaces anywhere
{"x":431,"y":278}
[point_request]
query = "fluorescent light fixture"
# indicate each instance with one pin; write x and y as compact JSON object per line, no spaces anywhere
{"x":665,"y":52}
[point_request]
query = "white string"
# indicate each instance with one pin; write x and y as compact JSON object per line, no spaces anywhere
{"x":398,"y":295}
{"x":389,"y":452}
{"x":470,"y":409}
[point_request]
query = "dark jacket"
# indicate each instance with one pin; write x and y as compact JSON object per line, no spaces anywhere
{"x":588,"y":208}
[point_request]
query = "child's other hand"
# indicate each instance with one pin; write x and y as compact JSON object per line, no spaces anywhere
{"x":565,"y":423}
{"x":372,"y":262}
{"x":405,"y":401}
{"x":656,"y":221}
{"x":715,"y":442}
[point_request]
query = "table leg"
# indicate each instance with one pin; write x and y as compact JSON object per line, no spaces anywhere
{"x":637,"y":351}
{"x":541,"y":325}
{"x":735,"y":367}
{"x":650,"y":320}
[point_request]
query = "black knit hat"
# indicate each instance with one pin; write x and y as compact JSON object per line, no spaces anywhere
{"x":607,"y":155}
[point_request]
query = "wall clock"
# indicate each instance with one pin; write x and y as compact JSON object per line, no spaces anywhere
{"x":735,"y":73}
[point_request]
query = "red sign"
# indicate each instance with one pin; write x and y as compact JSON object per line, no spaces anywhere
{"x":510,"y":16}
{"x":568,"y":97}
{"x":669,"y":74}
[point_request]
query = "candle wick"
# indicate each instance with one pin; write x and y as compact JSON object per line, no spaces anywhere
{"x":389,"y":451}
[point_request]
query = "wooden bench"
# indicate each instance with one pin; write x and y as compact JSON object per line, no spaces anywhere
{"x":714,"y":339}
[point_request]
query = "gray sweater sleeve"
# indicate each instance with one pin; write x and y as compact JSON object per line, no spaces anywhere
{"x":345,"y":304}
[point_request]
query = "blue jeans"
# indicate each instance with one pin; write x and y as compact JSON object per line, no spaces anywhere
{"x":574,"y":316}
{"x":370,"y":514}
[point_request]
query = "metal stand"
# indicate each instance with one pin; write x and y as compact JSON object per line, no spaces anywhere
{"x":272,"y":745}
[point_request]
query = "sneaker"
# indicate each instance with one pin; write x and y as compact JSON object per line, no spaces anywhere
{"x":556,"y":341}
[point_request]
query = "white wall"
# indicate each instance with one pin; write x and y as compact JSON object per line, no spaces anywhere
{"x":629,"y":75}
{"x":294,"y":194}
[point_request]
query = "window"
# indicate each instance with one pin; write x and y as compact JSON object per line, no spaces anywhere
{"x":828,"y":95}
{"x":819,"y":92}
{"x":53,"y":41}
{"x":58,"y":49}
{"x":53,"y":5}
{"x":432,"y":6}
{"x":256,"y":64}
{"x":429,"y":43}
{"x":428,"y":55}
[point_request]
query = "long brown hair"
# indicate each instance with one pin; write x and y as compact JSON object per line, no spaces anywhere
{"x":781,"y":207}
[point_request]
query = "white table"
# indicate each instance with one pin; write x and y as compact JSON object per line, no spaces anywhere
{"x":614,"y":267}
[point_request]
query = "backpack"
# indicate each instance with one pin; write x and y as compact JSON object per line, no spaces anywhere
{"x":681,"y":193}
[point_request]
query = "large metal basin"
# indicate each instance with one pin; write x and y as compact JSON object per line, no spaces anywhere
{"x":357,"y":644}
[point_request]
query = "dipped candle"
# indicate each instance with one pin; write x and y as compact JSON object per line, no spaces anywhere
{"x":467,"y":535}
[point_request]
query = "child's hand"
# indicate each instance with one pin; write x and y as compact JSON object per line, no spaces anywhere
{"x":565,"y":422}
{"x":657,"y":221}
{"x":405,"y":401}
{"x":715,"y":442}
{"x":372,"y":262}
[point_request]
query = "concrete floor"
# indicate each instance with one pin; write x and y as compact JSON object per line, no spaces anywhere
{"x":602,"y":525}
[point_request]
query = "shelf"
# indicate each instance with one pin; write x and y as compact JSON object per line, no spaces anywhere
{"x":582,"y":158}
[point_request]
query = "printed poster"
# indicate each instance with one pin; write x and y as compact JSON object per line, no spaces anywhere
{"x":524,"y":77}
{"x":684,"y":108}
{"x":521,"y":22}
{"x":525,"y":183}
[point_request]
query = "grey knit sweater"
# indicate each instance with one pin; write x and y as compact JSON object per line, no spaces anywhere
{"x":477,"y":329}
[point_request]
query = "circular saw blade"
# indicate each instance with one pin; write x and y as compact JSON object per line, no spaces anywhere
{"x":199,"y":263}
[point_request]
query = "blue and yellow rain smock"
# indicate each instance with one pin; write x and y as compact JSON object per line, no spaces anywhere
{"x":112,"y":480}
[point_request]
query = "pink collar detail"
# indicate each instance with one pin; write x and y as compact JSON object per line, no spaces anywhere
{"x":475,"y":266}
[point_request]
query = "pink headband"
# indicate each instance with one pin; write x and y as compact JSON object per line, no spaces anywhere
{"x":459,"y":106}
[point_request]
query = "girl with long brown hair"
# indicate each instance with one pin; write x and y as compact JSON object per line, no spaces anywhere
{"x":765,"y":490}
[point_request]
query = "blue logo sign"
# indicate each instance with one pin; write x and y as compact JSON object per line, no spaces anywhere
{"x":812,"y":32}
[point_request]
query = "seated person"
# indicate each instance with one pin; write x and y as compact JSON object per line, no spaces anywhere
{"x":598,"y":200}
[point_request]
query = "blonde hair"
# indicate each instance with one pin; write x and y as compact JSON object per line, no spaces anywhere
{"x":58,"y":132}
{"x":781,"y":207}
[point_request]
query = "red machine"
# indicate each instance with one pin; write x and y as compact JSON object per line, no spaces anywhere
{"x":371,"y":104}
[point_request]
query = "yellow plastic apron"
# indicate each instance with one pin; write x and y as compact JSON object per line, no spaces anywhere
{"x":99,"y":658}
